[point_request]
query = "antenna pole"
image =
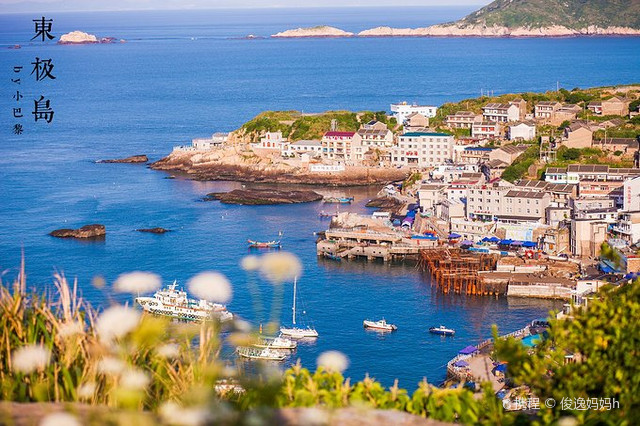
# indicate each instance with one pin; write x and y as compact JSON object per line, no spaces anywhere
{"x":294,"y":299}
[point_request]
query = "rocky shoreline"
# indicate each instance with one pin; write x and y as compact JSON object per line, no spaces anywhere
{"x":263,"y":196}
{"x":134,"y":159}
{"x":457,"y":30}
{"x":224,"y":169}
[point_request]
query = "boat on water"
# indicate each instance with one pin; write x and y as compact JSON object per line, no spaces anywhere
{"x":442,"y":330}
{"x":266,"y":354}
{"x":338,"y":200}
{"x":265,"y":244}
{"x":323,"y":215}
{"x":295,"y":331}
{"x":333,"y":257}
{"x":379,"y":325}
{"x":174,"y":303}
{"x":278,"y":342}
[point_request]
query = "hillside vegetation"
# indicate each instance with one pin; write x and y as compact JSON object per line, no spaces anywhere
{"x":297,"y":126}
{"x":575,"y":14}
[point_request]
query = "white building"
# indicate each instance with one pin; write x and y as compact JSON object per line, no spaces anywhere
{"x":337,"y":145}
{"x":423,"y":149}
{"x":272,"y":141}
{"x":311,"y":146}
{"x":500,"y":113}
{"x":631,"y":195}
{"x":522,"y":131}
{"x":402,"y":110}
{"x":216,"y":140}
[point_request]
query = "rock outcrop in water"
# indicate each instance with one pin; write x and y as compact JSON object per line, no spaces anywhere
{"x":134,"y":159}
{"x":319,"y":31}
{"x":262,"y":196}
{"x":94,"y":231}
{"x":156,"y":230}
{"x":388,"y":204}
{"x":80,"y":37}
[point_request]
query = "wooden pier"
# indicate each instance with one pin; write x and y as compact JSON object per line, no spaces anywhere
{"x":456,"y":272}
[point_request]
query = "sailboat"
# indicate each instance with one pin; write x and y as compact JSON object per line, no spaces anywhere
{"x":294,"y":331}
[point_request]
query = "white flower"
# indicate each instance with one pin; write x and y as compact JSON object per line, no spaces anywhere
{"x":211,"y":286}
{"x":134,"y":379}
{"x":280,"y":266}
{"x":242,"y":326}
{"x":68,"y":329}
{"x":110,"y":366}
{"x":137,"y":282}
{"x":59,"y":419}
{"x":116,"y":322}
{"x":28,"y":359}
{"x":86,"y":390}
{"x":313,"y":416}
{"x":250,"y":263}
{"x":173,"y":414}
{"x":170,"y":350}
{"x":333,"y":361}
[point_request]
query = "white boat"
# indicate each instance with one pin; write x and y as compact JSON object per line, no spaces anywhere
{"x":442,"y":330}
{"x":379,"y":325}
{"x":279,"y":342}
{"x":294,"y":331}
{"x":267,"y":354}
{"x":174,"y":303}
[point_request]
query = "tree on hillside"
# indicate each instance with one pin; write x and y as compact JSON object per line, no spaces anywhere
{"x":592,"y":357}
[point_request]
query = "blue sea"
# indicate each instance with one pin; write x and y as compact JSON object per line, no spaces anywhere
{"x":188,"y":74}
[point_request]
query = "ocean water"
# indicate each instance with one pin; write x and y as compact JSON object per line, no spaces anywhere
{"x":188,"y":74}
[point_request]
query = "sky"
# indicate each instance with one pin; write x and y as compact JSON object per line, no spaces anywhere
{"x":11,"y":6}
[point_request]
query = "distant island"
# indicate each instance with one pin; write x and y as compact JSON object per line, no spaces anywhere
{"x":80,"y":37}
{"x":514,"y":18}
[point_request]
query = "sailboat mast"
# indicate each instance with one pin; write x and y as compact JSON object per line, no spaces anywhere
{"x":294,"y":299}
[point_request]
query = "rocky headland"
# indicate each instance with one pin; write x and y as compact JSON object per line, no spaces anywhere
{"x":522,"y":18}
{"x":238,"y":163}
{"x":319,"y":31}
{"x":94,"y":231}
{"x":134,"y":159}
{"x":262,"y":196}
{"x":80,"y":37}
{"x":387,"y":204}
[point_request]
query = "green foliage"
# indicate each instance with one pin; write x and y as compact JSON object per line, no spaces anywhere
{"x":633,"y":106}
{"x":570,"y":13}
{"x":604,"y":340}
{"x":569,"y":154}
{"x":520,"y":166}
{"x":415,"y":177}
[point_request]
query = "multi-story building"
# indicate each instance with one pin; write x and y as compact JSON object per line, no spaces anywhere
{"x":586,"y":236}
{"x":508,"y":153}
{"x":485,"y":202}
{"x":458,"y":188}
{"x":472,"y":154}
{"x":546,"y":110}
{"x":463,"y":119}
{"x":567,"y":112}
{"x":486,"y":130}
{"x":337,"y":145}
{"x":370,"y":139}
{"x":311,"y":146}
{"x":527,"y":206}
{"x":416,"y":122}
{"x":423,"y":149}
{"x":501,"y":113}
{"x":403,"y":109}
{"x":612,"y":106}
{"x":628,"y":226}
{"x":577,"y":135}
{"x":429,"y":195}
{"x":272,"y":141}
{"x":524,"y":130}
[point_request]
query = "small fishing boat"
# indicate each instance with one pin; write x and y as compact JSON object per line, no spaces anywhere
{"x":266,"y":354}
{"x":442,"y":330}
{"x":323,"y":215}
{"x":265,"y":244}
{"x":295,"y":331}
{"x":338,"y":200}
{"x":279,"y":342}
{"x":333,"y":257}
{"x":379,"y":325}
